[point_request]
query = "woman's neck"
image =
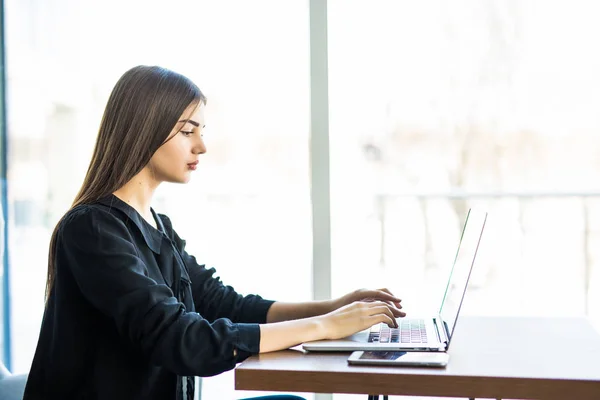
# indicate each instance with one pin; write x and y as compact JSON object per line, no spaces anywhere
{"x":138,"y":194}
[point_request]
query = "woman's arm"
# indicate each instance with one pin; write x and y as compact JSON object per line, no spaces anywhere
{"x":212,"y":298}
{"x":337,"y":324}
{"x":280,"y":311}
{"x":284,"y":325}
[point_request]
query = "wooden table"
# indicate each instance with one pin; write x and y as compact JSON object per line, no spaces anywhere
{"x":490,"y":357}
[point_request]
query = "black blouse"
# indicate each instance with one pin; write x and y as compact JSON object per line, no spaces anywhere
{"x":132,"y":315}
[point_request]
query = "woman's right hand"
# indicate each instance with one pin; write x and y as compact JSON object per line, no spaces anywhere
{"x":358,"y":316}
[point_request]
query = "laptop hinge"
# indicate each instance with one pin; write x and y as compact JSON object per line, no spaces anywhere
{"x":441,"y":329}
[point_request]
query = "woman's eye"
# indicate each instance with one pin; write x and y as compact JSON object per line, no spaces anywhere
{"x":187,"y":133}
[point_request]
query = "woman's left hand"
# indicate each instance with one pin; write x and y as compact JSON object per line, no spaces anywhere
{"x":368,"y":295}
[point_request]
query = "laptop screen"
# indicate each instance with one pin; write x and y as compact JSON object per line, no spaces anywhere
{"x":461,"y":269}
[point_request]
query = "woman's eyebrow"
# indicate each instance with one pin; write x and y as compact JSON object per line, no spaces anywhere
{"x":191,"y":121}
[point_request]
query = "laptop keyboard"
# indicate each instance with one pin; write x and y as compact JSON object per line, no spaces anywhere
{"x":408,"y":331}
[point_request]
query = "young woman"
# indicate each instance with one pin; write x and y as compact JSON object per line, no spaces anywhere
{"x":129,"y":313}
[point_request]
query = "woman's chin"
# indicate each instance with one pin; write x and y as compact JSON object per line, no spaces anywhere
{"x":185,"y":178}
{"x":179,"y":179}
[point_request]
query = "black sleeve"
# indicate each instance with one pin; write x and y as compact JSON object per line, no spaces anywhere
{"x":105,"y":263}
{"x":214,"y":300}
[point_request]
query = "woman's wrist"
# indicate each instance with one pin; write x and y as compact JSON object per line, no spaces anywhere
{"x":327,"y":306}
{"x":320,"y":326}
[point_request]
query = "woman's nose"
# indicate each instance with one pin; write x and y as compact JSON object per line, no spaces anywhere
{"x":200,"y":147}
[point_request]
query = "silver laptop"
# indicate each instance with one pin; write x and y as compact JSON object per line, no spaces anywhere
{"x":431,"y":333}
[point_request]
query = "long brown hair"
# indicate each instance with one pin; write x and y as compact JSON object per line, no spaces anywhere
{"x":144,"y":106}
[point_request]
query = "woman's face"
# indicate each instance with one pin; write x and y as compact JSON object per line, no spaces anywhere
{"x":175,"y":160}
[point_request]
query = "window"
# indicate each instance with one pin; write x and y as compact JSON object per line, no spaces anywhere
{"x":434,"y":107}
{"x":439,"y":106}
{"x":247,"y":209}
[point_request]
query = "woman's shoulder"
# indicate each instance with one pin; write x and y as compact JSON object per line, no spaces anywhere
{"x":89,"y":217}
